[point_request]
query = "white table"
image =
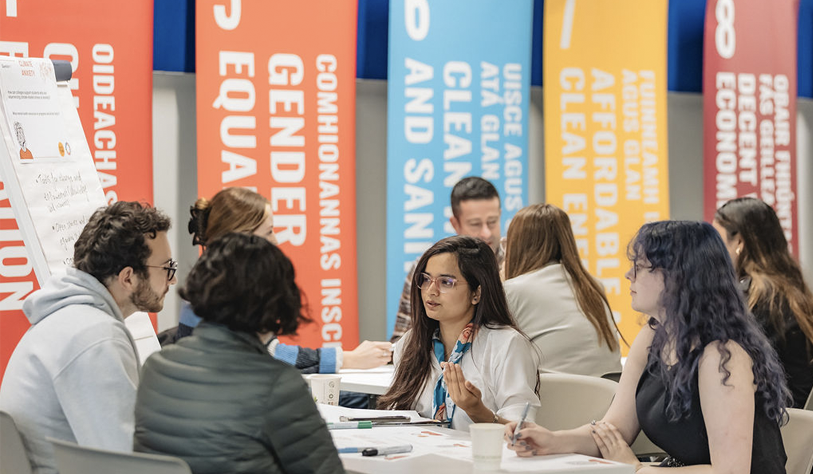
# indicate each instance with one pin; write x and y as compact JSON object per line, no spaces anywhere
{"x":369,"y":381}
{"x":449,"y":452}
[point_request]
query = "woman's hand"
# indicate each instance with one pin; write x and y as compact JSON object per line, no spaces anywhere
{"x":612,"y":445}
{"x":368,"y":355}
{"x":464,"y":394}
{"x":532,"y":439}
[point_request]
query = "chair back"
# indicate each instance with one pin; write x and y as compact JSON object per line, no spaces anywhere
{"x":569,"y":401}
{"x":797,"y":436}
{"x":13,"y":458}
{"x":74,"y":459}
{"x":614,"y":376}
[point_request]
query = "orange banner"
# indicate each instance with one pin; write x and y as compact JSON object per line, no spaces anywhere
{"x":276,"y":113}
{"x":605,"y":129}
{"x":109,"y":46}
{"x":17,"y":280}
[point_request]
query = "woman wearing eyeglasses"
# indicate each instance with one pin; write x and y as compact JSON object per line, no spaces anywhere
{"x":701,"y":379}
{"x":242,"y":210}
{"x":463,"y":361}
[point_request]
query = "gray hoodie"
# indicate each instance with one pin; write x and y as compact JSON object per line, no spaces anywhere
{"x":73,"y":376}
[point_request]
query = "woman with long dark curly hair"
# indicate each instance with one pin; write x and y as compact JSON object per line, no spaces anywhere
{"x":774,"y":285}
{"x":463,"y":360}
{"x":701,"y":379}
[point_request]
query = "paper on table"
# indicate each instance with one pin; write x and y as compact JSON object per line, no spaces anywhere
{"x":561,"y":462}
{"x":331,"y":414}
{"x":422,"y":440}
{"x":552,"y":463}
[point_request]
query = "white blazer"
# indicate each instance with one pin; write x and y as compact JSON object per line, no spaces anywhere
{"x":545,"y":308}
{"x":501,"y":363}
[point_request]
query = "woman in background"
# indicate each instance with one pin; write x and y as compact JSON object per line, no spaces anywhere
{"x":701,"y":379}
{"x":463,"y":361}
{"x":237,"y":209}
{"x":774,"y":286}
{"x":552,"y":297}
{"x":215,"y":399}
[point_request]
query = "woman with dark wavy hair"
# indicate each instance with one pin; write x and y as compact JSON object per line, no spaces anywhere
{"x":216,"y":399}
{"x":553,"y":298}
{"x":701,"y":379}
{"x":464,"y":360}
{"x":776,"y":290}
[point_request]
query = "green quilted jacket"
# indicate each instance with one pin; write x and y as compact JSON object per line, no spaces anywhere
{"x":217,"y":400}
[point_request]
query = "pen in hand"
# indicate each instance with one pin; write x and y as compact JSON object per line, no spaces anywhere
{"x":519,"y":424}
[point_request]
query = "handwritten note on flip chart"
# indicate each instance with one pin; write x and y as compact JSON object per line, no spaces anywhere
{"x":50,"y":170}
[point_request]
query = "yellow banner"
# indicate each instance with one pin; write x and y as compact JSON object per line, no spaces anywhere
{"x":605,"y":130}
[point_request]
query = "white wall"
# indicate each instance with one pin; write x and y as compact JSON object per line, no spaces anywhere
{"x":174,"y":155}
{"x":176,"y":186}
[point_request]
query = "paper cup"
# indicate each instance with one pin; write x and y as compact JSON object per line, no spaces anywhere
{"x":325,"y":388}
{"x":486,"y":445}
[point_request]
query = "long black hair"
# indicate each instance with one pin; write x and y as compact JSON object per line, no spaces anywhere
{"x":479,"y":268}
{"x":702,"y":303}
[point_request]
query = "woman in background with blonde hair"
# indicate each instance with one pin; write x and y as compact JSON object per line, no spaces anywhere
{"x":552,"y":297}
{"x":241,"y":210}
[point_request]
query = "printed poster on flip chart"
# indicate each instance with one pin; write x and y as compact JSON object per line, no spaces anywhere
{"x":58,"y":184}
{"x":29,"y":93}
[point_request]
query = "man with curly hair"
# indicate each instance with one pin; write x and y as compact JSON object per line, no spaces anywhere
{"x":74,"y":374}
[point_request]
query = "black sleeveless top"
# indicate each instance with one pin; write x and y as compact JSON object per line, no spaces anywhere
{"x":686,"y":440}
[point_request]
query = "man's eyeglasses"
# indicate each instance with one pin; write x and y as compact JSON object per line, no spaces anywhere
{"x":444,"y":283}
{"x":170,"y":267}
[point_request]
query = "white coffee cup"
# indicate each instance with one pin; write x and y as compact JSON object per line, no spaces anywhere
{"x":486,"y":445}
{"x":325,"y":388}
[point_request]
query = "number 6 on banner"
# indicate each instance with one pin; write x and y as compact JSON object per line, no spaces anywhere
{"x":567,"y":24}
{"x":11,"y":8}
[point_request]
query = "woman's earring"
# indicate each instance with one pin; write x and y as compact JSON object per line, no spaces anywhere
{"x":739,"y":250}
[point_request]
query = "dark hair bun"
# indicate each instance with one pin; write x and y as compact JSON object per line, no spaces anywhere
{"x":198,"y":221}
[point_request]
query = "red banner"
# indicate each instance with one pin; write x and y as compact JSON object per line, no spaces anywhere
{"x":276,"y":113}
{"x":109,"y":45}
{"x":749,"y":106}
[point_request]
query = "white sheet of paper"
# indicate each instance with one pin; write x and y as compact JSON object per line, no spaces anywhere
{"x":448,"y":451}
{"x":28,"y":90}
{"x":332,"y":413}
{"x":424,"y":440}
{"x":58,"y":193}
{"x":146,"y":341}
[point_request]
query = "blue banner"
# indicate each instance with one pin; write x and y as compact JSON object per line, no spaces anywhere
{"x":458,"y":94}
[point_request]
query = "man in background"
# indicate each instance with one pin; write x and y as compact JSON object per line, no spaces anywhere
{"x":476,"y":213}
{"x":73,"y":376}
